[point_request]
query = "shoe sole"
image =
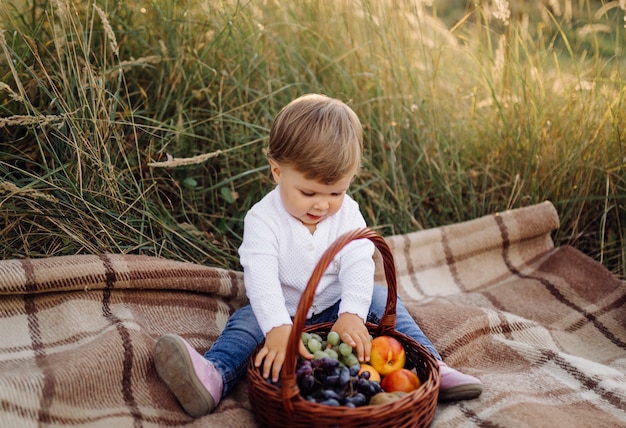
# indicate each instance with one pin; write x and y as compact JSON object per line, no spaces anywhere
{"x":461,"y":392}
{"x":175,"y":367}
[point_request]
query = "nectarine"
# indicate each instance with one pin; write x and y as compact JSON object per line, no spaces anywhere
{"x":387,"y":354}
{"x":400,"y":380}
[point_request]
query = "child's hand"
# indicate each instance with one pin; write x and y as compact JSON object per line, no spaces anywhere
{"x":272,"y":355}
{"x":274,"y":350}
{"x":352,"y":330}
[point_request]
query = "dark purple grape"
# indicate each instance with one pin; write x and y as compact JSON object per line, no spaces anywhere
{"x":331,"y":380}
{"x":330,"y":393}
{"x":316,"y":363}
{"x":344,"y":376}
{"x":330,"y":402}
{"x":354,"y":370}
{"x":305,"y":364}
{"x":304,"y":370}
{"x":306,"y":384}
{"x":362,"y":383}
{"x":328,"y":363}
{"x":365,"y":387}
{"x":357,"y":400}
{"x":365,"y":375}
{"x":372,"y":390}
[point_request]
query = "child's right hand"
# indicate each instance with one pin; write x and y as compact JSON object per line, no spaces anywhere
{"x":272,"y":355}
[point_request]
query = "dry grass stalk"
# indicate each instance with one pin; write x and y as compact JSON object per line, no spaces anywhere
{"x":62,"y":9}
{"x":174,"y":162}
{"x":12,"y":94}
{"x":12,"y":190}
{"x":108,"y":30}
{"x":126,"y":65}
{"x":502,"y":12}
{"x":25,"y":120}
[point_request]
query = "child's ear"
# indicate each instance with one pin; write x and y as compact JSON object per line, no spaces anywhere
{"x":275,"y":170}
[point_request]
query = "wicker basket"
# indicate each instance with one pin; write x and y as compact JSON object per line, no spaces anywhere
{"x":282,"y":406}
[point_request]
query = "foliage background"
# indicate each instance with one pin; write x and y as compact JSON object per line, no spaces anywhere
{"x":140,"y":126}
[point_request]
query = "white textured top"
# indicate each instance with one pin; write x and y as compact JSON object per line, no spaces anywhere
{"x":279,"y":254}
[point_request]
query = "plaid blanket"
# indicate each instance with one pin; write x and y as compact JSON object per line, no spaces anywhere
{"x":542,"y":327}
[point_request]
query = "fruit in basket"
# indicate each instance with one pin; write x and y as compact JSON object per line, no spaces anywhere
{"x":374,"y":375}
{"x":345,"y":349}
{"x":350,"y":360}
{"x":326,"y":381}
{"x":314,"y":345}
{"x":304,"y":337}
{"x":319,"y":354}
{"x":332,"y":353}
{"x":334,"y":376}
{"x":383,"y":398}
{"x":387,"y":355}
{"x":333,"y":338}
{"x":400,"y":380}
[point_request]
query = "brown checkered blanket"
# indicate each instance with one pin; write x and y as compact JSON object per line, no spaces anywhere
{"x":542,"y":327}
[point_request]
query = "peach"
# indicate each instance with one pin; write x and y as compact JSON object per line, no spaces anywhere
{"x":400,"y":380}
{"x":387,"y":355}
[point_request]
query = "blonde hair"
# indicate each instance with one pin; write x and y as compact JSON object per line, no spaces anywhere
{"x":318,"y":136}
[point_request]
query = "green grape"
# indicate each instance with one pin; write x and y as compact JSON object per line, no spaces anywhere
{"x":332,"y":353}
{"x":314,"y":345}
{"x":350,"y":360}
{"x":317,"y":337}
{"x":333,"y":338}
{"x":345,"y":349}
{"x":319,"y":354}
{"x":304,"y":337}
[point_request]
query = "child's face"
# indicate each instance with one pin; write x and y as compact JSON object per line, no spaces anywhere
{"x":308,"y":200}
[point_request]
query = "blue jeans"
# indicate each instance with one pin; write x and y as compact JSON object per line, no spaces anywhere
{"x":231,"y":352}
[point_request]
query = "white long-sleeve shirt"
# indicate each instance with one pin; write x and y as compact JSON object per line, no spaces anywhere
{"x":279,"y":254}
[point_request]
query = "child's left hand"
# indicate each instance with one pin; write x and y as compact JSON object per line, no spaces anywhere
{"x":352,"y":330}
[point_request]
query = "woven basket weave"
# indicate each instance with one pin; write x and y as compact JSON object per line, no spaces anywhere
{"x":282,"y":406}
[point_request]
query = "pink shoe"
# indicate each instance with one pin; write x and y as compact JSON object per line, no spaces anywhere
{"x":194,"y":380}
{"x":455,"y":386}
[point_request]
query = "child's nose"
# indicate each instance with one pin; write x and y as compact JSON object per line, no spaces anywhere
{"x":321,"y":204}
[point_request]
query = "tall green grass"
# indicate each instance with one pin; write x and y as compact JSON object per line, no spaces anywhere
{"x":140,"y":126}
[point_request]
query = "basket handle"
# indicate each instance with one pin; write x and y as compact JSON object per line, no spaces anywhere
{"x":387,"y":322}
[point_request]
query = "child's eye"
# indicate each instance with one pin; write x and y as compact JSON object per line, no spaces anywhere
{"x":307,"y":193}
